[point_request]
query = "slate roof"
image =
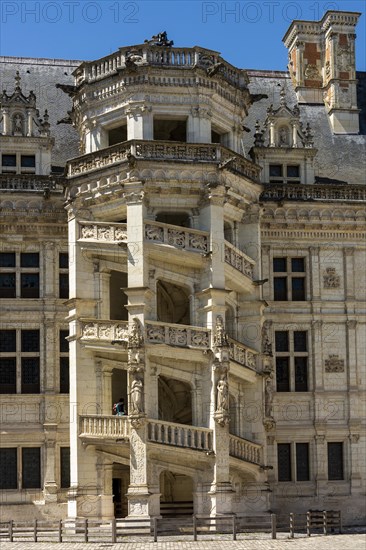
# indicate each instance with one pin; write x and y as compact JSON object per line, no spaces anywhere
{"x":340,"y":157}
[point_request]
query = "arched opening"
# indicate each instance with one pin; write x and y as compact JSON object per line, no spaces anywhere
{"x":172,"y":303}
{"x":228,"y":232}
{"x":230,"y":322}
{"x":119,"y":387}
{"x":117,"y":297}
{"x":175,"y":401}
{"x":120,"y":483}
{"x":174,"y":218}
{"x":176,"y":491}
{"x":233,"y":415}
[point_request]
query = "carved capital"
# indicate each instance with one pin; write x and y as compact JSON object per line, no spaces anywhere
{"x":351,"y":323}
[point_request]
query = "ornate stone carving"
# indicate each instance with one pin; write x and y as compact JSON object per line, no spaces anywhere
{"x":154,"y":233}
{"x":221,"y":415}
{"x":311,"y":72}
{"x":135,"y":336}
{"x":269,"y":424}
{"x":334,"y":364}
{"x":267,"y":338}
{"x":238,"y":260}
{"x":354,"y":438}
{"x":220,"y":337}
{"x":331,"y":279}
{"x":314,"y":192}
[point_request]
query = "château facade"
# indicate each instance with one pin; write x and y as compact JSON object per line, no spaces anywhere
{"x":189,"y":236}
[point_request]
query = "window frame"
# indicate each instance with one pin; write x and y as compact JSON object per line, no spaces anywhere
{"x":290,"y":275}
{"x":20,"y":356}
{"x":291,"y":355}
{"x":294,"y":464}
{"x":284,"y":178}
{"x":340,"y":445}
{"x":19,"y":273}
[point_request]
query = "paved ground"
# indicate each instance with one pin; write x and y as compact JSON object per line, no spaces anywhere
{"x":354,"y":541}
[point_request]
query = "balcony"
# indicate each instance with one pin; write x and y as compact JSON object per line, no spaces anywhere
{"x":238,"y":260}
{"x":177,"y":335}
{"x":316,"y":193}
{"x":31,"y":183}
{"x":104,"y":427}
{"x":100,"y":232}
{"x":176,"y":236}
{"x":158,"y":56}
{"x":174,"y":151}
{"x":180,"y":435}
{"x":103,"y":331}
{"x":245,"y":450}
{"x":243,"y":355}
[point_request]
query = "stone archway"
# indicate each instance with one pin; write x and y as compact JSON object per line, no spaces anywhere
{"x":175,"y":400}
{"x":172,"y":303}
{"x":176,"y":492}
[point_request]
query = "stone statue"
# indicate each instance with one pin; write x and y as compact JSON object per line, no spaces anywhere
{"x":266,"y":341}
{"x":283,"y":136}
{"x":222,"y":396}
{"x":18,"y":124}
{"x":136,"y":404}
{"x":268,"y":396}
{"x":135,"y":339}
{"x":220,"y":339}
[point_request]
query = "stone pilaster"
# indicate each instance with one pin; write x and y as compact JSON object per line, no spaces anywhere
{"x":49,"y":484}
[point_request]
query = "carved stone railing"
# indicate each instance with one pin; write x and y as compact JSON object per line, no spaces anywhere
{"x":237,"y":259}
{"x":103,"y":330}
{"x":160,"y":56}
{"x":163,"y":151}
{"x":180,"y":435}
{"x":242,"y":355}
{"x":324,"y":192}
{"x":245,"y":450}
{"x":98,"y":159}
{"x":28,"y":182}
{"x":102,"y":232}
{"x":98,"y":426}
{"x":177,"y":335}
{"x":179,"y":237}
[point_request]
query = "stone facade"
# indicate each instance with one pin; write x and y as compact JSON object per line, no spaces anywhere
{"x":219,"y":296}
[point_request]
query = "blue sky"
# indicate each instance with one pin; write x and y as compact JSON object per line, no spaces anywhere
{"x":247,"y":33}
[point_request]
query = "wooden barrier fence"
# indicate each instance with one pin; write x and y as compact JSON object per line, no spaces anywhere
{"x":115,"y":530}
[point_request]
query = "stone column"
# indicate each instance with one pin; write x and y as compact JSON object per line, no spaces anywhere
{"x":107,"y":373}
{"x":138,"y":492}
{"x":49,"y":484}
{"x":6,"y":121}
{"x":135,"y":120}
{"x":106,"y":498}
{"x":314,"y":273}
{"x":349,"y":272}
{"x":272,"y":139}
{"x":29,"y":123}
{"x":294,"y":134}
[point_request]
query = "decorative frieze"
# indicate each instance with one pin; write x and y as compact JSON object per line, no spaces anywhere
{"x":177,"y":335}
{"x":334,"y":364}
{"x":331,"y":279}
{"x":102,"y":232}
{"x":110,"y":331}
{"x":19,"y":182}
{"x":180,"y":237}
{"x":241,"y":354}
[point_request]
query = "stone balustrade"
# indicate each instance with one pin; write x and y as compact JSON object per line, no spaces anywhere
{"x":179,"y":237}
{"x":27,"y":182}
{"x":160,"y":56}
{"x":177,"y":335}
{"x":240,"y":261}
{"x":163,"y":151}
{"x":97,"y":426}
{"x":104,"y":330}
{"x":180,"y":435}
{"x":245,"y":450}
{"x":102,"y":232}
{"x":339,"y":193}
{"x":241,"y":354}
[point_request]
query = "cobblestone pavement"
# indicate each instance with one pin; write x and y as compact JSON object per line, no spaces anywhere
{"x":354,"y":541}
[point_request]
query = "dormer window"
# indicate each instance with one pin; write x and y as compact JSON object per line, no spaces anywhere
{"x":18,"y":164}
{"x":284,"y":173}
